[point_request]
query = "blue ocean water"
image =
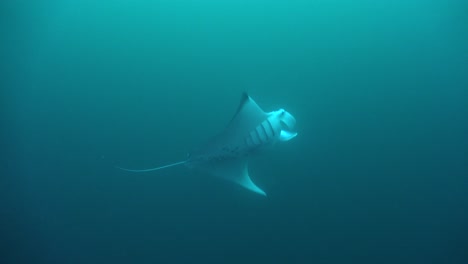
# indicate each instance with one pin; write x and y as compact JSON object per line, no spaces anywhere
{"x":377,"y":174}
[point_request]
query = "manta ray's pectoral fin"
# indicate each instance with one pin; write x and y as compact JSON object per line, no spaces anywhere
{"x":235,"y":171}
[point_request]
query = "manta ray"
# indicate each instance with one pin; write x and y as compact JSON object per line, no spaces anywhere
{"x":250,"y":131}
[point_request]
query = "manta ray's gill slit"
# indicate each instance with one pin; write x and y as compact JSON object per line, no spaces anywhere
{"x":261,"y":135}
{"x":268,"y":129}
{"x":253,"y":134}
{"x":271,"y":127}
{"x":265,"y":131}
{"x":254,"y":139}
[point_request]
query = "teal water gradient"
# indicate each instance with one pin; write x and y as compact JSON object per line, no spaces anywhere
{"x":378,"y":173}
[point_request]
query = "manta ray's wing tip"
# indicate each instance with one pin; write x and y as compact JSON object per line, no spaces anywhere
{"x":261,"y":192}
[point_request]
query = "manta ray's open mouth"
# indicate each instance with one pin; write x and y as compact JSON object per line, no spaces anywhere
{"x":288,"y":123}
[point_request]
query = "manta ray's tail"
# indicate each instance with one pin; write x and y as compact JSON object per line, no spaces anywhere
{"x":154,"y":169}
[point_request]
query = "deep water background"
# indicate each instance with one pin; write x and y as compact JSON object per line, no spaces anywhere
{"x":378,"y":173}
